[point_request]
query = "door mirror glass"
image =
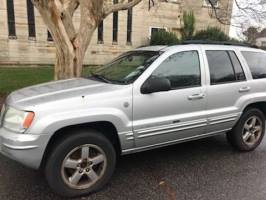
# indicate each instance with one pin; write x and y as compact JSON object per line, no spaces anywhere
{"x":155,"y":84}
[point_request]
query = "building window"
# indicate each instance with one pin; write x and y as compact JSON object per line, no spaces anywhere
{"x":129,"y":25}
{"x":49,"y":36}
{"x":11,"y":19}
{"x":115,"y":24}
{"x":156,"y":29}
{"x":31,"y":19}
{"x":263,"y":44}
{"x":206,"y":3}
{"x":100,"y":33}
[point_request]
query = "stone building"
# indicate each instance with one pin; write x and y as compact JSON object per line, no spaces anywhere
{"x":24,"y":38}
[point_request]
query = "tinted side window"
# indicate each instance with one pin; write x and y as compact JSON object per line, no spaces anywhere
{"x":239,"y":73}
{"x":182,"y":69}
{"x":221,"y":69}
{"x":257,"y":63}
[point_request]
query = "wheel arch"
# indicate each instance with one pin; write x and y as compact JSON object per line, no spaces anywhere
{"x":261,"y":105}
{"x":106,"y":128}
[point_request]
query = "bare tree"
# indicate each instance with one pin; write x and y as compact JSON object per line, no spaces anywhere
{"x":249,"y":11}
{"x":71,"y":44}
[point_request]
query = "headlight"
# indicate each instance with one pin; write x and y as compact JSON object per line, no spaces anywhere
{"x":17,"y":120}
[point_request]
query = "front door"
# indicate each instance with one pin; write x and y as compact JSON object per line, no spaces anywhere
{"x":165,"y":117}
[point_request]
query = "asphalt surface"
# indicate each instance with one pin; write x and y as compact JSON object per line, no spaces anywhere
{"x":200,"y":170}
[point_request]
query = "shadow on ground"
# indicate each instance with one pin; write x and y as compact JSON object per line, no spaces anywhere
{"x":198,"y":170}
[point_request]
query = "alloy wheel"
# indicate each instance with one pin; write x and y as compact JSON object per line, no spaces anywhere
{"x":252,"y":130}
{"x":83,"y":166}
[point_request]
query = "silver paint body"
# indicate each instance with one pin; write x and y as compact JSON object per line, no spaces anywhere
{"x":149,"y":120}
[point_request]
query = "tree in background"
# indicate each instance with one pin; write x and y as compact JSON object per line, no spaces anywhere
{"x":188,"y":28}
{"x":251,"y":34}
{"x":71,"y":44}
{"x":250,"y":12}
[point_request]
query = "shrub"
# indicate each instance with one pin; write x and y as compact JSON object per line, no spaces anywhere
{"x":188,"y":28}
{"x":211,"y":33}
{"x":263,"y":48}
{"x":163,"y":38}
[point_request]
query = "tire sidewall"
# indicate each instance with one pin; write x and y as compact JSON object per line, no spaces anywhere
{"x":55,"y":160}
{"x":238,"y":129}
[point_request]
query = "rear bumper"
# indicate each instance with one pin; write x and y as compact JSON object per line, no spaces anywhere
{"x":27,"y":149}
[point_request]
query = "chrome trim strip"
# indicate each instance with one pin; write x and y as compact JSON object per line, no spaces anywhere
{"x":170,"y":130}
{"x":19,"y":147}
{"x":224,"y":117}
{"x":127,"y":133}
{"x":126,"y":151}
{"x":222,"y":121}
{"x":177,"y":125}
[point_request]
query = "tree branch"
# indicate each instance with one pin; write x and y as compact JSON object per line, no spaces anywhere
{"x":119,"y":6}
{"x":71,"y":6}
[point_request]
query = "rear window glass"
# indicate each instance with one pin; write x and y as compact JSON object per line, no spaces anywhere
{"x":257,"y":63}
{"x":221,"y":68}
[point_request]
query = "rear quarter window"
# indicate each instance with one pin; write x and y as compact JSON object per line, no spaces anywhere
{"x":256,"y":62}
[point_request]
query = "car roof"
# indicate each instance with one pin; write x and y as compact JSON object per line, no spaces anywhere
{"x":165,"y":48}
{"x":152,"y":48}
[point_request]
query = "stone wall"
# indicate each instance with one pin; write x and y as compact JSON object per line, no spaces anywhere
{"x":40,"y":51}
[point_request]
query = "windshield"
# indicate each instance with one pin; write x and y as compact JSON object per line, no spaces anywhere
{"x":126,"y":68}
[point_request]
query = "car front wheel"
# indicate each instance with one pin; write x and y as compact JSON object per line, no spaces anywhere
{"x":80,"y":164}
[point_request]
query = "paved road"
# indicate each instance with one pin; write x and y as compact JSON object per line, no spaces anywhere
{"x":201,"y":170}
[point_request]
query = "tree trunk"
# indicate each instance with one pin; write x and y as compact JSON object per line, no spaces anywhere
{"x":69,"y":60}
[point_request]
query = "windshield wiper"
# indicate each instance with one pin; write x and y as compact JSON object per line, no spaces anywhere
{"x":100,"y":77}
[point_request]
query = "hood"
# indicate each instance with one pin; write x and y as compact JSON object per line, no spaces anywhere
{"x":57,"y":90}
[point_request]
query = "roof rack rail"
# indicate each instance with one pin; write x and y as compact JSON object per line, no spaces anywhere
{"x":218,"y":43}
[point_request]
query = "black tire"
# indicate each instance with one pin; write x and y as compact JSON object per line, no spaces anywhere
{"x":235,"y":136}
{"x":55,"y":160}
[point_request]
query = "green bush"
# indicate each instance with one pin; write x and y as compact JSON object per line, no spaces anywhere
{"x":211,"y":33}
{"x":263,"y":48}
{"x":164,"y":38}
{"x":188,"y":28}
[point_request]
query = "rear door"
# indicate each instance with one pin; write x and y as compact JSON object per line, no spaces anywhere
{"x":227,"y":83}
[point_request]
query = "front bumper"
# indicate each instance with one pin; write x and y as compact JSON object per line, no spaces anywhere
{"x":27,"y":149}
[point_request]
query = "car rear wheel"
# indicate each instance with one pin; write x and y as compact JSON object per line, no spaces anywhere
{"x":249,"y":131}
{"x":80,"y":164}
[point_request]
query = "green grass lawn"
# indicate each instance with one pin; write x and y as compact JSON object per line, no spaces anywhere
{"x":18,"y":77}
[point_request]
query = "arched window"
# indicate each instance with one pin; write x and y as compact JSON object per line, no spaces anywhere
{"x":129,"y":25}
{"x":49,"y":36}
{"x":100,"y":33}
{"x":31,"y":20}
{"x":115,"y":24}
{"x":11,"y":19}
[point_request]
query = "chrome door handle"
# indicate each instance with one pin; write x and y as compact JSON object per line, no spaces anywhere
{"x":196,"y":96}
{"x":244,"y":89}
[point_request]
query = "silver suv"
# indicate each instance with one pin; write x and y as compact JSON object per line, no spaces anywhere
{"x":147,"y":98}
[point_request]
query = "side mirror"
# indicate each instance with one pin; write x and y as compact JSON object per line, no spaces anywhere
{"x":155,"y":84}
